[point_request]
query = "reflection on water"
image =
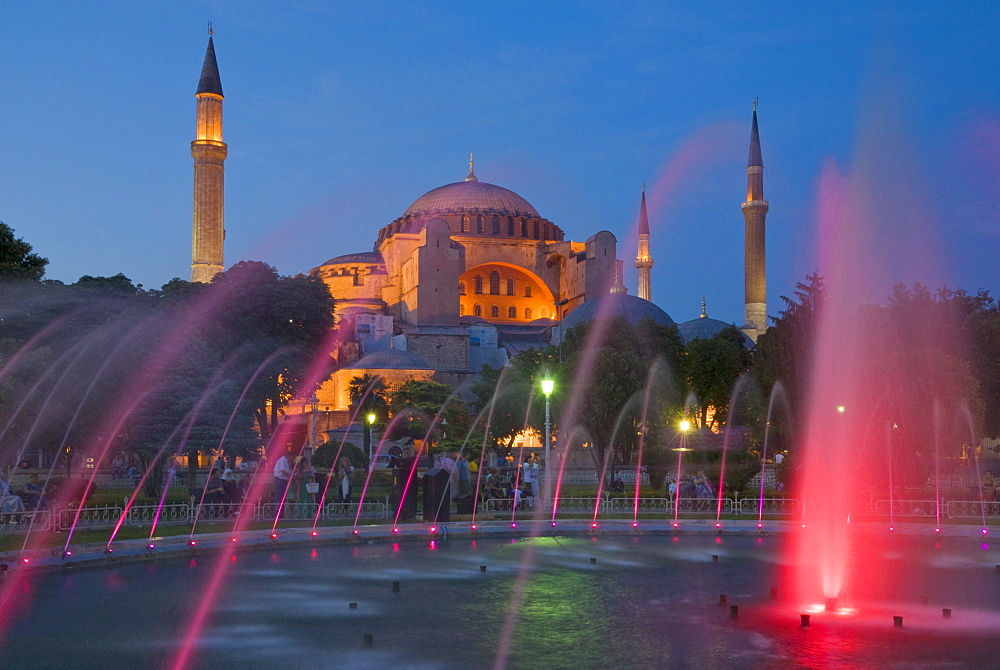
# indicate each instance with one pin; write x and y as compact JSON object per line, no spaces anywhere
{"x":646,"y":602}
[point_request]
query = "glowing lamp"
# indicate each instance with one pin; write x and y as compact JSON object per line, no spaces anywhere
{"x":548,"y":385}
{"x":985,"y":532}
{"x":553,"y":524}
{"x":593,"y":525}
{"x":937,"y":530}
{"x":232,"y":539}
{"x":151,"y":547}
{"x":685,"y":425}
{"x":356,"y":532}
{"x":314,"y":533}
{"x":513,"y":524}
{"x":473,"y":526}
{"x":841,"y":409}
{"x":274,"y":536}
{"x":635,"y":524}
{"x":68,"y":553}
{"x":718,"y":525}
{"x":434,"y":529}
{"x":675,"y":524}
{"x":395,"y":530}
{"x":371,"y":419}
{"x":24,"y":560}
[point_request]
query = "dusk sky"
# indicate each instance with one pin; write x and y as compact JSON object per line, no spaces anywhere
{"x":339,"y":115}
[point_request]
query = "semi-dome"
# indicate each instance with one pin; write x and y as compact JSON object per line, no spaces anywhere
{"x":617,"y":305}
{"x":471,"y":196}
{"x":390,"y":359}
{"x":365,"y":257}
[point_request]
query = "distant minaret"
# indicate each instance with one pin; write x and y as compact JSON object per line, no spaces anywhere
{"x":209,"y":153}
{"x":643,"y":261}
{"x":754,"y":213}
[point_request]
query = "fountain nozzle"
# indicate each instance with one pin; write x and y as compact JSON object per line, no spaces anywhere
{"x":831,"y":604}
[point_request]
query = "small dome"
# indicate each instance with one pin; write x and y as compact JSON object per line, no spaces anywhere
{"x":471,"y":196}
{"x":617,"y":305}
{"x":390,"y":359}
{"x":704,"y":328}
{"x":366,"y":257}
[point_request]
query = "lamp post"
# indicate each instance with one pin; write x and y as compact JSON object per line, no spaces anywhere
{"x":313,"y":407}
{"x":548,"y":384}
{"x":368,"y":434}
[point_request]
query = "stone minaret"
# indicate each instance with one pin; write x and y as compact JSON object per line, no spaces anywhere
{"x":643,"y":261}
{"x":209,"y":153}
{"x":754,"y":213}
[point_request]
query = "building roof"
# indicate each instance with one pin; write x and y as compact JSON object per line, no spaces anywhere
{"x":210,"y":81}
{"x":617,"y":305}
{"x":389,"y":359}
{"x":471,"y":195}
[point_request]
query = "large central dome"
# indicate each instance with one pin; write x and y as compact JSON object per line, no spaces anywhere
{"x":471,"y":196}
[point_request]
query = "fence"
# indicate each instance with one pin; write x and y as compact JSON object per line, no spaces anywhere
{"x":145,"y":515}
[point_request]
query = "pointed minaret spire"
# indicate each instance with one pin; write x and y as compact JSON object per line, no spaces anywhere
{"x":704,"y":311}
{"x":472,"y":173}
{"x":754,"y":214}
{"x":209,"y":152}
{"x":210,"y":81}
{"x":643,"y":261}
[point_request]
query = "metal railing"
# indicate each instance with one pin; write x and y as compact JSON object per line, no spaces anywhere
{"x":143,"y":515}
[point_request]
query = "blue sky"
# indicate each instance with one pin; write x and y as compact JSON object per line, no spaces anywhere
{"x":339,"y":115}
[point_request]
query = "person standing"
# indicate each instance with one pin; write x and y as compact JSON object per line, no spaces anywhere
{"x":448,"y":465}
{"x":345,"y":479}
{"x":282,"y":473}
{"x":462,"y":468}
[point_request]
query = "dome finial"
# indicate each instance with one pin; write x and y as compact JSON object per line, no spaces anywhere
{"x":755,"y":103}
{"x":704,"y":312}
{"x":210,"y":32}
{"x":472,"y":174}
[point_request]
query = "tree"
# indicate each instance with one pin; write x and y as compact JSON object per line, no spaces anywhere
{"x":17,"y":261}
{"x":713,"y":366}
{"x":368,"y":395}
{"x":417,"y":405}
{"x":282,"y":324}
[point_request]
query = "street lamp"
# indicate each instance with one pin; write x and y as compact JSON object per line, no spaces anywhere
{"x":313,"y":407}
{"x":368,"y":434}
{"x":548,"y":384}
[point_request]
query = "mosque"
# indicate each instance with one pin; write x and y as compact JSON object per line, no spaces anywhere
{"x":469,"y":274}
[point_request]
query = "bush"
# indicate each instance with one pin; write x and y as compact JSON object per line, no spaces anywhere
{"x":324,"y":455}
{"x":74,"y":492}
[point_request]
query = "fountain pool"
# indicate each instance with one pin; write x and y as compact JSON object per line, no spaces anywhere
{"x":576,"y":600}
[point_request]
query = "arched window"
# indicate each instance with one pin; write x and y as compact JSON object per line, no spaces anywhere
{"x":494,"y":283}
{"x":461,"y":288}
{"x":461,"y":309}
{"x":510,"y":225}
{"x":510,"y":287}
{"x":477,"y":310}
{"x":524,"y":228}
{"x":527,"y":291}
{"x":536,"y":230}
{"x":479,"y":224}
{"x":527,"y":313}
{"x":544,"y":312}
{"x":496,"y":225}
{"x":495,"y":312}
{"x":479,"y":284}
{"x":512,"y":312}
{"x":465,"y":223}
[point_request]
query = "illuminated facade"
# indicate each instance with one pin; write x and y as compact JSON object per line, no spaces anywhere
{"x":467,"y":270}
